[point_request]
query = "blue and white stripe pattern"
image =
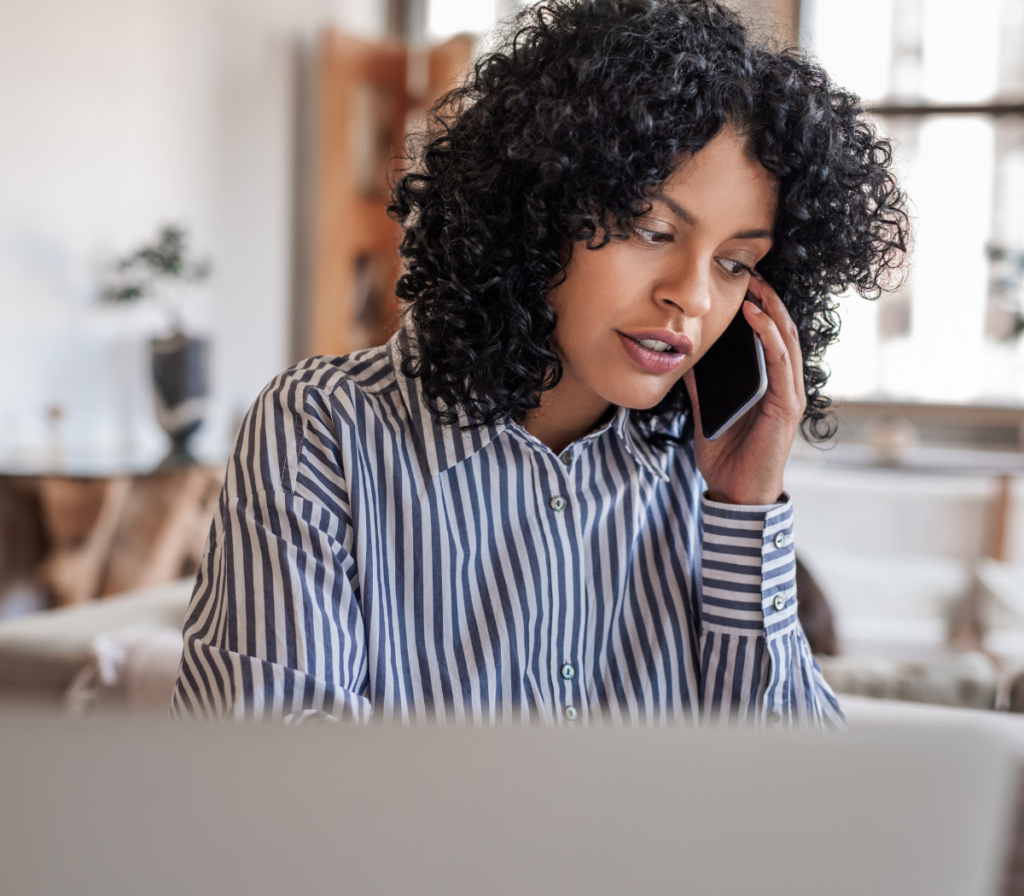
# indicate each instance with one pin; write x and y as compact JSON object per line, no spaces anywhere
{"x":367,"y":562}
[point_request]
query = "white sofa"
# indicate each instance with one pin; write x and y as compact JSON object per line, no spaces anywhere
{"x":121,"y":651}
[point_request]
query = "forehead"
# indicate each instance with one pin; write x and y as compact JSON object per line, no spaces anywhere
{"x":723,"y":181}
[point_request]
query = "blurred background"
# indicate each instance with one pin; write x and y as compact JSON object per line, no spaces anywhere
{"x":192,"y":197}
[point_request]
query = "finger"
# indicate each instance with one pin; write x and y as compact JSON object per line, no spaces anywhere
{"x":690,"y":380}
{"x":779,"y":360}
{"x":774,"y":307}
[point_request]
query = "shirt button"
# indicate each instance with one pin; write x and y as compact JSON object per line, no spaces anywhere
{"x":774,"y":717}
{"x":568,"y":672}
{"x":557,"y":503}
{"x":780,"y":602}
{"x":779,"y":540}
{"x":570,"y":713}
{"x":566,"y":457}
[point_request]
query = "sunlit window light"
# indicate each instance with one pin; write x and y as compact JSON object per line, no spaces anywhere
{"x":960,"y":58}
{"x":448,"y":17}
{"x":947,"y":335}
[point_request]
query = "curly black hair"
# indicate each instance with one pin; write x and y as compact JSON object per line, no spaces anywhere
{"x":560,"y":135}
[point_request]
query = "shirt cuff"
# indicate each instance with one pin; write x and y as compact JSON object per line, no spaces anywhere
{"x":748,"y":567}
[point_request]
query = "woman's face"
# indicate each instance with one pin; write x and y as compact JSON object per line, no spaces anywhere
{"x":675,"y":283}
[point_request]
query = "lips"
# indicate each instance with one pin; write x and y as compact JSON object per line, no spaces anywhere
{"x":654,"y":361}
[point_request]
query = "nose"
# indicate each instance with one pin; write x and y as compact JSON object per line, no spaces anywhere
{"x":686,"y":286}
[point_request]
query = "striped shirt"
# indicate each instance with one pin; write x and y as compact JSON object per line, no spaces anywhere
{"x":368,"y":562}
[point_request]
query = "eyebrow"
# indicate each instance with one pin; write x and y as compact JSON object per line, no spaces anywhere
{"x":676,"y":209}
{"x":687,"y":218}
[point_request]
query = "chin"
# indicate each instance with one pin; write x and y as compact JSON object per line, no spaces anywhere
{"x":640,"y":398}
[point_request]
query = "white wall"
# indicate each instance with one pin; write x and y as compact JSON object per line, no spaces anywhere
{"x":115,"y":116}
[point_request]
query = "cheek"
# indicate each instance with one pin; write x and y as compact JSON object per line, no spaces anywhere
{"x":597,"y":281}
{"x":580,"y":342}
{"x":716,"y":326}
{"x":588,"y":299}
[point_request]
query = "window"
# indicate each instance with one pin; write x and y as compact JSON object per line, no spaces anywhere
{"x":448,"y":17}
{"x":946,"y":82}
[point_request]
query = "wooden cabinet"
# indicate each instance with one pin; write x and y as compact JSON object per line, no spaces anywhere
{"x":100,"y":535}
{"x":369,"y":95}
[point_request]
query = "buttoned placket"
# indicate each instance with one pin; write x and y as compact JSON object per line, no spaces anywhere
{"x":558,"y":509}
{"x":557,"y":483}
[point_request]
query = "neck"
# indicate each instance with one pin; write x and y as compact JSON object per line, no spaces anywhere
{"x":566,"y":413}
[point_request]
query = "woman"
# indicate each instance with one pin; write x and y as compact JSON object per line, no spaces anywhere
{"x":508,"y":512}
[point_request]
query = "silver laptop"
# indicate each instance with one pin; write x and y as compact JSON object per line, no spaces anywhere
{"x":149,"y":808}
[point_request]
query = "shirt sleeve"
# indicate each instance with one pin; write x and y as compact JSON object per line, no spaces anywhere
{"x":756,"y":664}
{"x":275,"y":628}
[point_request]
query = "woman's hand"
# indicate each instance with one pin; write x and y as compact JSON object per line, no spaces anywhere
{"x":745,"y":465}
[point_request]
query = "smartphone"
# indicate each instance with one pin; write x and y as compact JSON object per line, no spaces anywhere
{"x":731,"y":377}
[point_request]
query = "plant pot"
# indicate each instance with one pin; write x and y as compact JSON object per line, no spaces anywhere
{"x":181,"y":389}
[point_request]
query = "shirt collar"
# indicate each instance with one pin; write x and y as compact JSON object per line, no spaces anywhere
{"x":446,"y":446}
{"x":642,"y":452}
{"x":441,"y":446}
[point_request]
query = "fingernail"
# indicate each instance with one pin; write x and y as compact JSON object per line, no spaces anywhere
{"x":756,"y":309}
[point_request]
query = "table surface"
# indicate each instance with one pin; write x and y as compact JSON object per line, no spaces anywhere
{"x":919,"y":459}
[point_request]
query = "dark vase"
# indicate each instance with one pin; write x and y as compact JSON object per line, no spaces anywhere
{"x":181,"y":386}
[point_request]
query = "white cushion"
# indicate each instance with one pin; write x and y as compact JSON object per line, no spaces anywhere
{"x":42,"y":652}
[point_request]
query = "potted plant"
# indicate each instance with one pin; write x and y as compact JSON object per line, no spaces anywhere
{"x":160,"y":271}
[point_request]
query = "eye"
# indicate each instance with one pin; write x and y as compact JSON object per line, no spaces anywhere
{"x":736,"y":268}
{"x":652,"y":236}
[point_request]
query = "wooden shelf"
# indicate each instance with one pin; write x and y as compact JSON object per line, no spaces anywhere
{"x":365,"y":105}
